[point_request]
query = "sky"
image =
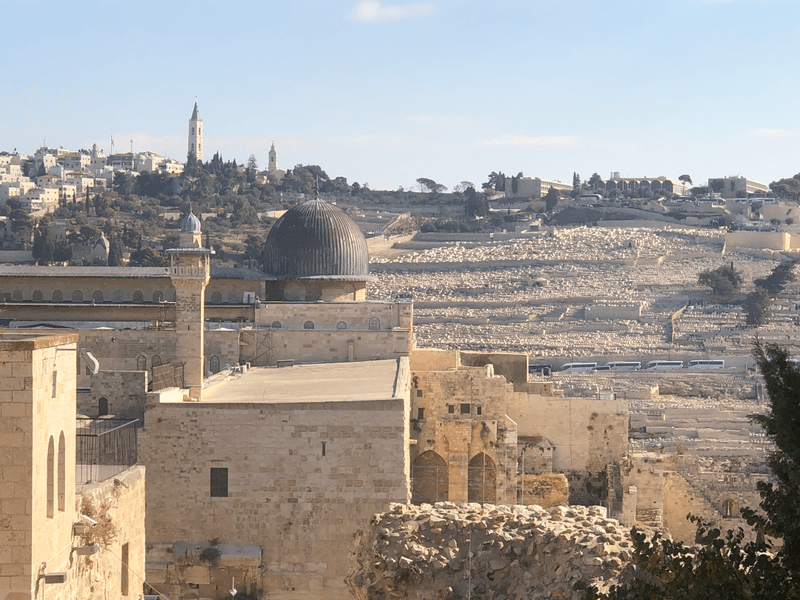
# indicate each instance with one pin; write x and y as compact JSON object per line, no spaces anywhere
{"x":387,"y":92}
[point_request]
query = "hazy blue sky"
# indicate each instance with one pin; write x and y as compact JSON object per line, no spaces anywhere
{"x":385,"y":92}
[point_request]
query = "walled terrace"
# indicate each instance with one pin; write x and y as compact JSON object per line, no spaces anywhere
{"x":486,"y":551}
{"x":580,"y":292}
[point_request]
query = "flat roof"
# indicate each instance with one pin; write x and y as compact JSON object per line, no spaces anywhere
{"x":329,"y":382}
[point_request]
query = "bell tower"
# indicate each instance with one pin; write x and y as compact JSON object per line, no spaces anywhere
{"x":189,"y":269}
{"x":273,"y":160}
{"x":196,"y":134}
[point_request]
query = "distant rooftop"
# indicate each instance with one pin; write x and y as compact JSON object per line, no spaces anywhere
{"x":330,"y":382}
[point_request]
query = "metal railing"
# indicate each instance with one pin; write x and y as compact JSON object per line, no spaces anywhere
{"x":104,"y":448}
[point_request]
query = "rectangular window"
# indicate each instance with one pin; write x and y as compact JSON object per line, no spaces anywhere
{"x":219,"y":482}
{"x":124,"y":573}
{"x":420,"y":414}
{"x":451,"y":408}
{"x":323,"y":449}
{"x":465,"y":409}
{"x":419,"y":393}
{"x":479,"y":410}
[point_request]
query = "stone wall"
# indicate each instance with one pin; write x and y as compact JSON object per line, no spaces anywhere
{"x":125,"y":394}
{"x":301,"y":478}
{"x":514,"y":367}
{"x":587,"y":434}
{"x":447,"y":551}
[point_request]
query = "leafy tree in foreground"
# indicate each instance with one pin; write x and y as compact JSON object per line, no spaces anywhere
{"x":551,"y":199}
{"x":723,"y":566}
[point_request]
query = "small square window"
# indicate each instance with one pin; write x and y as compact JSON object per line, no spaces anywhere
{"x":465,"y":409}
{"x":219,"y":482}
{"x":451,"y":408}
{"x":419,"y":393}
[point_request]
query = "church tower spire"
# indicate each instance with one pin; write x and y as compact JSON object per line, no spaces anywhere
{"x":196,"y":134}
{"x":273,"y":159}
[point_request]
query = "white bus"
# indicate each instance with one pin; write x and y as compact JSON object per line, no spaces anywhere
{"x":621,"y":365}
{"x":706,"y":364}
{"x":578,"y":367}
{"x":664,"y":365}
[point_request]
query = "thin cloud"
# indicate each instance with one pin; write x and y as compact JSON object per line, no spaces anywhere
{"x":771,"y":133}
{"x":526,"y":140}
{"x":439,"y":120}
{"x":375,"y":12}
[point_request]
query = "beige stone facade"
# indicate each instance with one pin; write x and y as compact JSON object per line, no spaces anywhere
{"x":39,"y":499}
{"x":307,"y":455}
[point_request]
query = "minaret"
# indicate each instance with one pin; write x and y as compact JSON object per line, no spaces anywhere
{"x":273,"y":160}
{"x":189,"y":270}
{"x":196,"y":134}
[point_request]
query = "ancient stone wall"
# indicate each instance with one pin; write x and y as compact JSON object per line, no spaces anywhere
{"x":124,"y":392}
{"x":449,"y":551}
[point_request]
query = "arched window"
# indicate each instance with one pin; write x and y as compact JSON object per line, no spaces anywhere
{"x":213,"y":364}
{"x":482,"y":479}
{"x":37,"y":296}
{"x":313,"y":293}
{"x":119,"y":296}
{"x":156,"y":362}
{"x":77,"y":296}
{"x":58,"y":296}
{"x":276,"y":325}
{"x":429,"y":476}
{"x":141,"y":363}
{"x":158,"y":296}
{"x":51,"y":484}
{"x":350,"y":291}
{"x":97,"y":296}
{"x":216,"y":298}
{"x":730,"y":508}
{"x":16,"y":295}
{"x":62,"y":472}
{"x":138,"y":296}
{"x":308,"y":325}
{"x":374,"y":324}
{"x":341,"y":325}
{"x":102,"y":407}
{"x":233,"y":298}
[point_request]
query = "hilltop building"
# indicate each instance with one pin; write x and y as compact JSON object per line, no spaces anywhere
{"x":735,"y":186}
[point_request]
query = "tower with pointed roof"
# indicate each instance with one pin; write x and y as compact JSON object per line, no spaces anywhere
{"x":273,"y":160}
{"x":196,"y":134}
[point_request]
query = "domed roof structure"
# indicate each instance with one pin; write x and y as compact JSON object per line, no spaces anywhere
{"x":316,"y":240}
{"x":190,"y":224}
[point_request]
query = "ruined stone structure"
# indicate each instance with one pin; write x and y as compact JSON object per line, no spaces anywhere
{"x":457,"y":551}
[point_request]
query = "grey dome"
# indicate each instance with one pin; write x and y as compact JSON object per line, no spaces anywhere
{"x":190,"y":224}
{"x":316,"y":239}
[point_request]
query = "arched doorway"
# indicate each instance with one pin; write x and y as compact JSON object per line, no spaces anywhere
{"x":482,"y":484}
{"x":430,"y":482}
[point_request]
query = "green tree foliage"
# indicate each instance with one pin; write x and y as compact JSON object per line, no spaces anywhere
{"x":43,"y":247}
{"x":756,"y":307}
{"x":687,"y":179}
{"x":722,"y":565}
{"x":475,"y":204}
{"x":147,"y":257}
{"x":699,"y":191}
{"x":776,"y":281}
{"x":429,"y":185}
{"x":717,"y":185}
{"x":788,"y":187}
{"x":594,"y":180}
{"x":576,"y":181}
{"x":551,"y":200}
{"x":723,"y":281}
{"x":496,"y":182}
{"x":115,"y":252}
{"x":254,"y":249}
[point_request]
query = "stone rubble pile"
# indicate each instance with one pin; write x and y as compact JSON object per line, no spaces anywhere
{"x":505,"y":553}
